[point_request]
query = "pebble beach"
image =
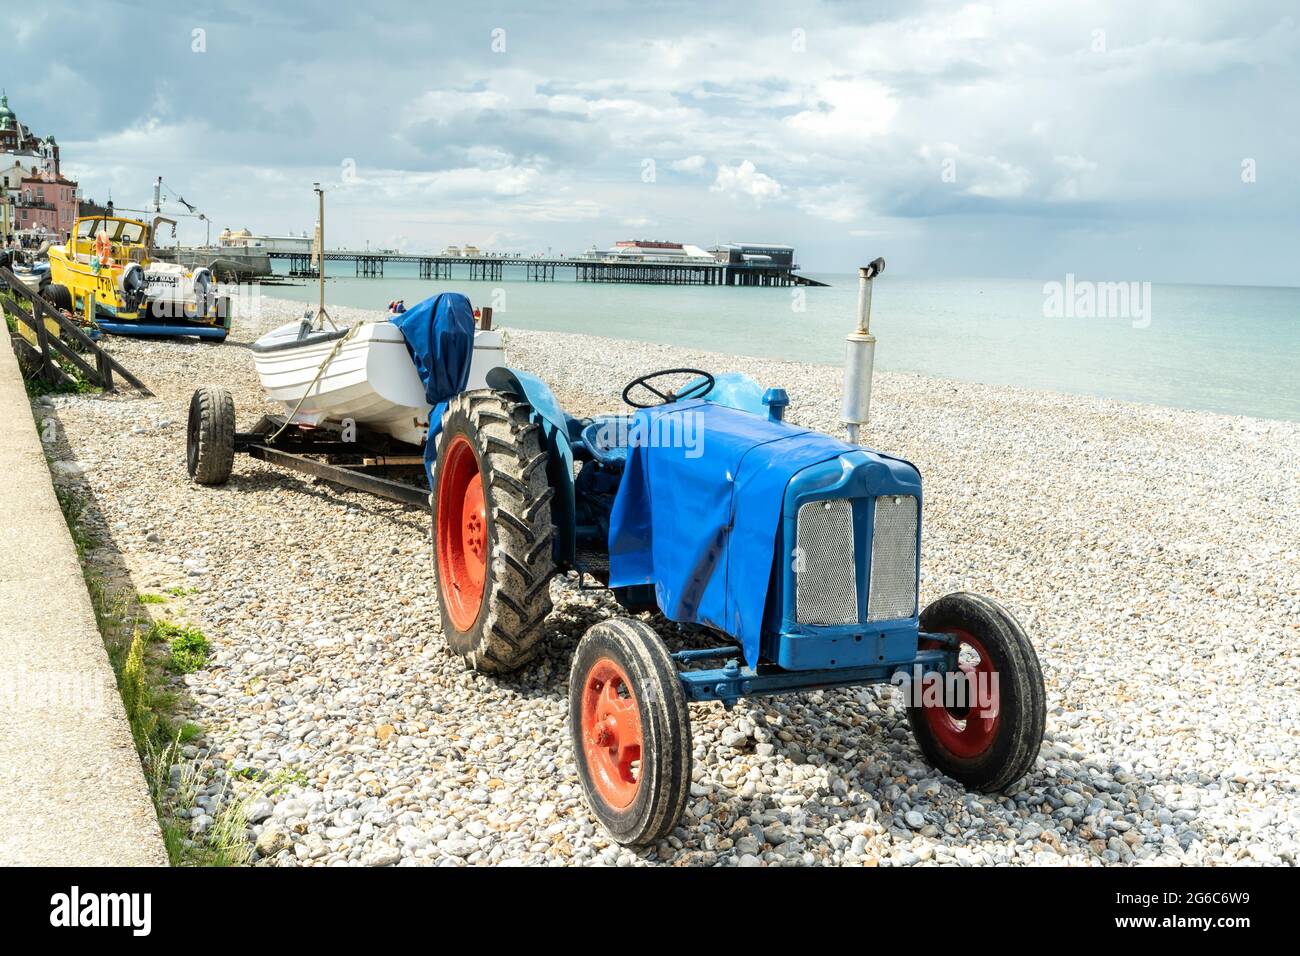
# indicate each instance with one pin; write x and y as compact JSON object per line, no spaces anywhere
{"x":1152,"y":555}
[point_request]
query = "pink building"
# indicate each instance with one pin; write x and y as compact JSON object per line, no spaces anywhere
{"x":46,"y":203}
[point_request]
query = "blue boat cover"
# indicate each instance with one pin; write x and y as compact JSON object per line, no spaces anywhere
{"x":699,"y":507}
{"x":735,"y":390}
{"x":439,"y":334}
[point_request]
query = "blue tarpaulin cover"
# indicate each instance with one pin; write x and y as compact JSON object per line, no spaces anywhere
{"x":439,"y":334}
{"x":735,"y":390}
{"x":699,"y":507}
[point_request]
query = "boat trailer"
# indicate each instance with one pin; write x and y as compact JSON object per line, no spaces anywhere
{"x":354,"y":457}
{"x":358,"y":475}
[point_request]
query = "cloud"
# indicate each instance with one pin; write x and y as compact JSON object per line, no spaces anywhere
{"x":845,"y":110}
{"x":997,"y":179}
{"x":1049,"y":133}
{"x":1076,"y":171}
{"x":558,"y":210}
{"x":396,"y":184}
{"x":744,"y":179}
{"x":838,"y":202}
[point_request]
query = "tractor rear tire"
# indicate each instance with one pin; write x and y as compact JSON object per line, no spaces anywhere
{"x":983,"y":752}
{"x":59,"y":296}
{"x":492,"y":531}
{"x":631,"y":731}
{"x":210,"y":436}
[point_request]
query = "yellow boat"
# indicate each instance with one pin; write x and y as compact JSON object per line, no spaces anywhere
{"x":105,"y":272}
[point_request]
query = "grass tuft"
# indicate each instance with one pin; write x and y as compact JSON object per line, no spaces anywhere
{"x":143,"y":654}
{"x":189,"y":649}
{"x":73,"y":505}
{"x":189,"y":731}
{"x":134,"y":684}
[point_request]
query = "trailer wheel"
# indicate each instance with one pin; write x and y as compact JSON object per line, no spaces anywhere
{"x":492,"y":531}
{"x":992,"y":739}
{"x":631,"y":730}
{"x":59,"y":296}
{"x":210,"y":436}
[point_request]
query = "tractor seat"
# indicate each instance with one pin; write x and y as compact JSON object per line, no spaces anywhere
{"x":606,"y":437}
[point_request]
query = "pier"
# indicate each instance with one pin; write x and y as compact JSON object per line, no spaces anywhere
{"x":728,"y":268}
{"x":371,"y":265}
{"x":651,"y":272}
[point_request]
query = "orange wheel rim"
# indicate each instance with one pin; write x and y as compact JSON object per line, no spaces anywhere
{"x":462,"y":533}
{"x":611,"y":734}
{"x":970,"y":730}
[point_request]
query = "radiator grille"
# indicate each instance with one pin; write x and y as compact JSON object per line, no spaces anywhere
{"x":826,"y":589}
{"x":892,"y":593}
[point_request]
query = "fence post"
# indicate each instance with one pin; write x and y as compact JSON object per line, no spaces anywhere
{"x":42,"y":335}
{"x":105,"y":370}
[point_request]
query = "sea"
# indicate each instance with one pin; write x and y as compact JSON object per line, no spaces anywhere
{"x":1219,"y":348}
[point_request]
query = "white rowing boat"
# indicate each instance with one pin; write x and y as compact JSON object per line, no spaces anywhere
{"x":368,"y":375}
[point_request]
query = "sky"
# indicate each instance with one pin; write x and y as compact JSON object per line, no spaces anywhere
{"x":1155,"y":141}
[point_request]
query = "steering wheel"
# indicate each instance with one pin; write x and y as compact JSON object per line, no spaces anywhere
{"x":691,"y":390}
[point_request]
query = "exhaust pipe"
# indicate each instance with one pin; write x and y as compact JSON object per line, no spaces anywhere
{"x":861,"y":359}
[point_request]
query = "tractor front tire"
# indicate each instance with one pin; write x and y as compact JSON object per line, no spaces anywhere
{"x":992,"y":739}
{"x":492,"y":531}
{"x":210,"y":436}
{"x":631,"y":731}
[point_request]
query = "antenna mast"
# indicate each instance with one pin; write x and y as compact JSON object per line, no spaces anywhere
{"x":321,"y":314}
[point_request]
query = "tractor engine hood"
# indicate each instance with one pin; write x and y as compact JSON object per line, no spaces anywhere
{"x":699,"y":508}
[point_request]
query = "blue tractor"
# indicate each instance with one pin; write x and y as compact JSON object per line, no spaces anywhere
{"x":800,"y":552}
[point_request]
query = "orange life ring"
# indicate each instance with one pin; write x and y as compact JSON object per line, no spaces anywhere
{"x":104,"y":248}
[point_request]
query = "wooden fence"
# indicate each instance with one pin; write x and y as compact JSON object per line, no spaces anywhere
{"x":53,"y":352}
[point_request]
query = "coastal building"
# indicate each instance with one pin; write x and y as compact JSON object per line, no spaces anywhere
{"x":651,"y":251}
{"x":46,"y":205}
{"x":12,"y":174}
{"x":755,"y":254}
{"x":42,"y":204}
{"x":11,"y":177}
{"x":244,"y":239}
{"x":43,"y":201}
{"x":18,"y":141}
{"x":88,"y":207}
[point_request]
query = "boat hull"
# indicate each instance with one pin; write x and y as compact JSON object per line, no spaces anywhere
{"x":370,"y":379}
{"x":168,"y":305}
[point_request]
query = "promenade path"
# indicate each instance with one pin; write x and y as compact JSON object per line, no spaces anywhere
{"x":72,"y":791}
